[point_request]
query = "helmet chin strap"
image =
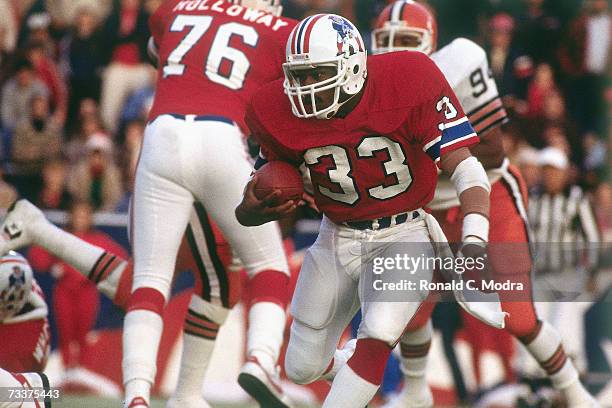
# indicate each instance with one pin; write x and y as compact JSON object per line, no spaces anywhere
{"x":333,"y":112}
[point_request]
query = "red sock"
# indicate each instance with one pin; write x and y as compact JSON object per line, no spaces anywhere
{"x":370,"y":360}
{"x":269,"y":286}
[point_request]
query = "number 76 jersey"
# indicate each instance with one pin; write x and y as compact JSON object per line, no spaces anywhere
{"x":379,"y":160}
{"x":213,"y":55}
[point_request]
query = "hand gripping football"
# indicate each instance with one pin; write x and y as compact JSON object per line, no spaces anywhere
{"x":279,"y":175}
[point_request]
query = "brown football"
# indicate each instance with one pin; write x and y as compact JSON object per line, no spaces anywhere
{"x":279,"y":175}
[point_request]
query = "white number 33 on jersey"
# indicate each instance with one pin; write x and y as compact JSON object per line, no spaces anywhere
{"x":449,"y":110}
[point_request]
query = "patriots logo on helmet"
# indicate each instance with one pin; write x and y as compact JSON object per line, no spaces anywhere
{"x":17,"y":278}
{"x":344,"y":30}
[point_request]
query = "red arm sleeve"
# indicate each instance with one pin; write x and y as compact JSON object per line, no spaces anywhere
{"x":267,"y":152}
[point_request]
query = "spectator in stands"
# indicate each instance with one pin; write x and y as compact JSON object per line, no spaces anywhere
{"x":87,"y":123}
{"x":75,"y":299}
{"x":139,"y":103}
{"x":47,"y":71}
{"x":585,"y":61}
{"x":510,"y":67}
{"x":127,"y":34}
{"x":36,"y":29}
{"x":527,"y":161}
{"x":84,"y":58}
{"x":36,"y":139}
{"x":541,"y":86}
{"x":555,"y":127}
{"x":18,"y":92}
{"x":54,"y":194}
{"x":8,"y":193}
{"x":63,"y":13}
{"x":595,"y":155}
{"x":133,"y":135}
{"x":96,"y":178}
{"x":6,"y":56}
{"x":8,"y":26}
{"x":538,"y":31}
{"x":603,"y":210}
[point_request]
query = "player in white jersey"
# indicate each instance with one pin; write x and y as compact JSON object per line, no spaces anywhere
{"x":406,"y":25}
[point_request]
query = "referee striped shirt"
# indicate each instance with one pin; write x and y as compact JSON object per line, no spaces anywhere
{"x":564,"y":230}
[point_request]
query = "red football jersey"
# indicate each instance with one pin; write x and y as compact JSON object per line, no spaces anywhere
{"x":380,"y":159}
{"x":25,"y":345}
{"x":213,"y":55}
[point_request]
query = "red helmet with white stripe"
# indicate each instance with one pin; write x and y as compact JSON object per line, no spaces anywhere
{"x":405,"y":25}
{"x":324,"y":40}
{"x":15,"y":284}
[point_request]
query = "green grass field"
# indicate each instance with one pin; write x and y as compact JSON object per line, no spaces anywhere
{"x":98,"y":402}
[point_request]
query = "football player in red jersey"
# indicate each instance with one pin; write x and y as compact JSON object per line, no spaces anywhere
{"x":213,"y":55}
{"x":407,"y":25}
{"x":371,"y":132}
{"x":24,"y":330}
{"x":203,"y":251}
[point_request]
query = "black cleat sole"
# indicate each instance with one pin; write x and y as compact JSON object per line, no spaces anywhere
{"x":260,"y":393}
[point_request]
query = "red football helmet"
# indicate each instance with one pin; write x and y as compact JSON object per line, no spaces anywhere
{"x":405,"y":25}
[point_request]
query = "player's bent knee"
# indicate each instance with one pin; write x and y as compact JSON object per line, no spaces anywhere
{"x":146,"y":299}
{"x":302,"y":370}
{"x":304,"y":361}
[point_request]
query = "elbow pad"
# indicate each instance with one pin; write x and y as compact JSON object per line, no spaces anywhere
{"x":470,"y":173}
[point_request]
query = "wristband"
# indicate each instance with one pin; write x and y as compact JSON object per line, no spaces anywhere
{"x":475,"y":226}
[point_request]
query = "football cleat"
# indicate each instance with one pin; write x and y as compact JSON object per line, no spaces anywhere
{"x":138,"y":402}
{"x":587,"y":401}
{"x":17,"y":229}
{"x":404,"y":399}
{"x":194,"y":402}
{"x":262,"y":385}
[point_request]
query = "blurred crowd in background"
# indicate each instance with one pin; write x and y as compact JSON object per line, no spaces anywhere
{"x":76,"y":88}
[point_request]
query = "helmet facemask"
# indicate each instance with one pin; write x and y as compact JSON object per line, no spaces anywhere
{"x":303,"y":98}
{"x":347,"y":82}
{"x":398,"y":37}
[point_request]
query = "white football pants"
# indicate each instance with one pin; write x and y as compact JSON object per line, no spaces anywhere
{"x":327,"y":294}
{"x":186,"y":160}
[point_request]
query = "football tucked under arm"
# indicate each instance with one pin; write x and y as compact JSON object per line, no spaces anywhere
{"x":473,"y":188}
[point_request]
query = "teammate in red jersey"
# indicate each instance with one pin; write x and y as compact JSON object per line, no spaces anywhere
{"x":409,"y":26}
{"x":204,"y":252}
{"x":212,"y":56}
{"x":24,"y":328}
{"x":383,"y":124}
{"x":24,"y":331}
